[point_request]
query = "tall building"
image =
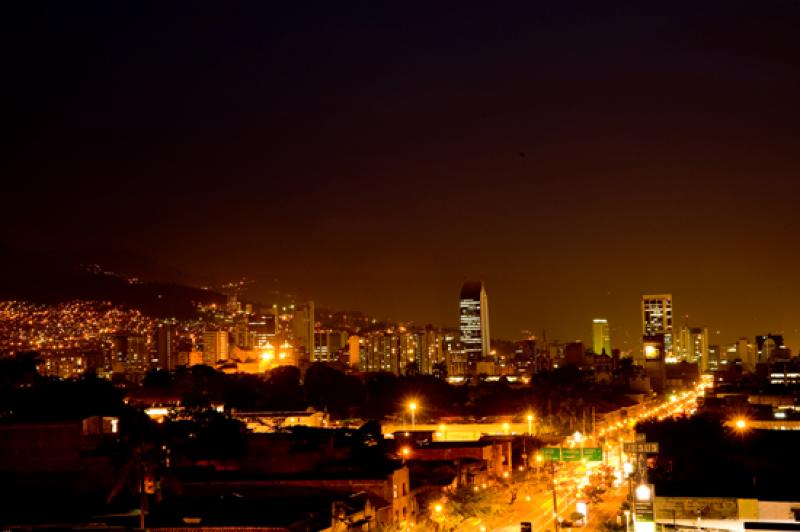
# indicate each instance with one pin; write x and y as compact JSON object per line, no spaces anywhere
{"x":303,"y":322}
{"x":714,"y":357}
{"x":166,"y":346}
{"x":601,"y":337}
{"x":261,"y":331}
{"x":697,"y":347}
{"x":743,"y":351}
{"x":327,"y":343}
{"x":431,"y":350}
{"x":215,"y":346}
{"x":768,"y":346}
{"x":129,"y":354}
{"x":474,"y":323}
{"x":657,"y":320}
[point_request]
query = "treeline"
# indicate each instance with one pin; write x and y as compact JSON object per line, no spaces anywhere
{"x":562,"y":400}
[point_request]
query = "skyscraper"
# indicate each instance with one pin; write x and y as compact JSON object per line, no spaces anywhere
{"x":215,"y":346}
{"x":601,"y":337}
{"x":166,"y":343}
{"x":657,"y":319}
{"x":303,"y":329}
{"x":697,"y":347}
{"x":474,"y":323}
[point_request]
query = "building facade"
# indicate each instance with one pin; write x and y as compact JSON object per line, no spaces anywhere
{"x":215,"y":346}
{"x":657,"y":320}
{"x":474,"y":323}
{"x":601,"y":337}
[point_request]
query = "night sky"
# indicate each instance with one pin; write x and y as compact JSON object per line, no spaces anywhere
{"x":375,"y":155}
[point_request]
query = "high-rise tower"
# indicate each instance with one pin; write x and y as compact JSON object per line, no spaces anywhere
{"x":657,"y":319}
{"x":474,"y":323}
{"x":601,"y":337}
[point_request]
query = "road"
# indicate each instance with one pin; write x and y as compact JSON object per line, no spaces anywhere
{"x":536,"y":506}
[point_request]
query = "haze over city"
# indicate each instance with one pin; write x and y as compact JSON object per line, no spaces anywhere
{"x":400,"y":266}
{"x":374,"y":157}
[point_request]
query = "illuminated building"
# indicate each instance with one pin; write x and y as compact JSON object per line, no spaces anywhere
{"x":770,"y":346}
{"x":454,"y":355}
{"x":601,"y":337}
{"x":384,"y":351}
{"x":232,"y":304}
{"x":215,"y":346}
{"x":743,"y":351}
{"x":190,"y":358}
{"x":129,"y":353}
{"x":261,"y":331}
{"x":431,"y":350}
{"x":353,"y":352}
{"x":241,"y":335}
{"x":400,"y":351}
{"x":474,"y":323}
{"x":714,"y":357}
{"x":696,"y":349}
{"x":657,"y":320}
{"x":409,"y":353}
{"x":271,"y":356}
{"x":303,"y":329}
{"x":63,"y":365}
{"x":653,"y":359}
{"x":166,"y":352}
{"x":327,"y":344}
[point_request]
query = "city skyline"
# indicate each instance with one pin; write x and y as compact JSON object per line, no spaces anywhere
{"x":247,"y":252}
{"x":571,"y":159}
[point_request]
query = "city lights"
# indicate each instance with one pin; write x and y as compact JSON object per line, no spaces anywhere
{"x":643,"y":492}
{"x":248,"y":255}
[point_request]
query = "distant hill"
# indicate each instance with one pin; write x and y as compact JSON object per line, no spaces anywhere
{"x":39,"y":280}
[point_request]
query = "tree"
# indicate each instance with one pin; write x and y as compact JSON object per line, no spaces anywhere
{"x":157,"y":378}
{"x":331,"y":390}
{"x":284,"y":389}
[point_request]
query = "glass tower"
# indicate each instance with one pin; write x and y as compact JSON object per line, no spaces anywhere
{"x":474,"y":323}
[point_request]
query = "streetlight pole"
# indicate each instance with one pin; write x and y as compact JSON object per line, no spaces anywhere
{"x":530,"y":424}
{"x":413,"y":407}
{"x":555,"y":496}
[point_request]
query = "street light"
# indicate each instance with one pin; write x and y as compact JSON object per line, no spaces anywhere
{"x":530,"y":424}
{"x":437,"y":516}
{"x":413,"y":407}
{"x":627,"y":468}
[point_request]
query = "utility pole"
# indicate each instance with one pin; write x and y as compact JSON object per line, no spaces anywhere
{"x":555,"y":495}
{"x":143,"y":501}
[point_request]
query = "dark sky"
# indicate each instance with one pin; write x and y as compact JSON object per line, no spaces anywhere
{"x":374,"y":155}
